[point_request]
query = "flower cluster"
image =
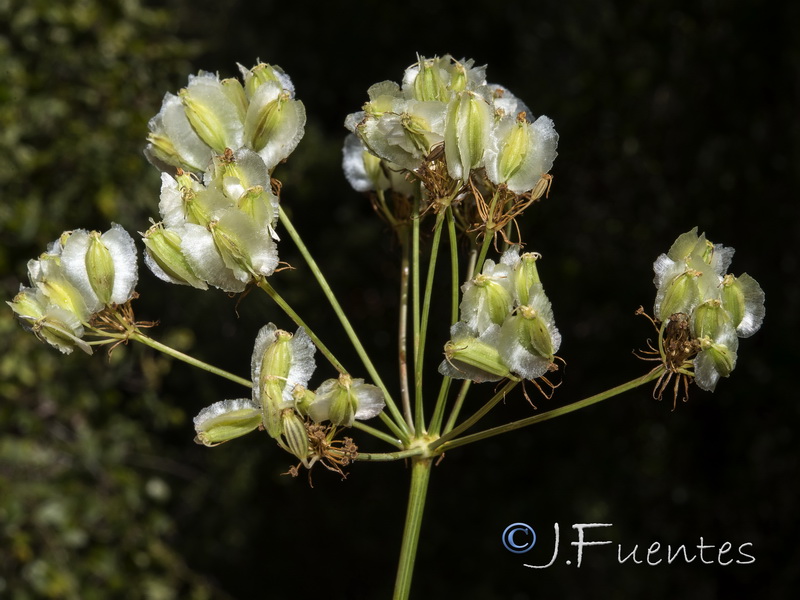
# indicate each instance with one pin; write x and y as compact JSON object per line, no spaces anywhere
{"x":446,"y":101}
{"x":449,"y":130}
{"x":719,"y":308}
{"x":211,"y":115}
{"x":218,"y":142}
{"x":219,"y":231}
{"x":281,"y":366}
{"x":81,"y":275}
{"x":507,"y":327}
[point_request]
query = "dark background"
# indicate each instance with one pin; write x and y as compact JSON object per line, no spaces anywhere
{"x":670,"y":115}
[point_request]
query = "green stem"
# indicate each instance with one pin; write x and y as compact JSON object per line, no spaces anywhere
{"x":402,"y":333}
{"x":384,"y":209}
{"x":389,"y":456}
{"x":488,"y":234}
{"x":438,"y":412}
{"x":509,"y":230}
{"x":451,"y":421}
{"x":443,"y":446}
{"x":351,"y":334}
{"x":423,"y":333}
{"x":473,"y":257}
{"x":477,"y":416}
{"x":265,"y":285}
{"x":455,"y":282}
{"x":394,"y":427}
{"x":661,"y":341}
{"x":420,"y":477}
{"x":148,"y":341}
{"x":378,"y":434}
{"x":415,"y":219}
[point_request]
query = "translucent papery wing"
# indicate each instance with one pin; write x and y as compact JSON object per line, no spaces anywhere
{"x":61,"y":329}
{"x":687,"y":243}
{"x":29,"y":305}
{"x":709,"y":285}
{"x":222,"y":407}
{"x":542,"y":305}
{"x":528,"y":345}
{"x":73,"y":265}
{"x":170,"y":205}
{"x":455,"y":369}
{"x":370,"y":399}
{"x":706,"y":375}
{"x":431,"y":115}
{"x":386,"y":138}
{"x":207,"y":90}
{"x":677,"y":291}
{"x":353,"y":164}
{"x":383,"y":93}
{"x":251,"y":172}
{"x":252,"y":166}
{"x":213,"y":203}
{"x":197,"y":245}
{"x":253,"y":250}
{"x":227,"y":420}
{"x":288,"y":129}
{"x":497,"y":140}
{"x":754,"y":306}
{"x":665,"y":267}
{"x":194,"y":152}
{"x":156,"y":269}
{"x":303,"y":365}
{"x":47,"y":275}
{"x":717,"y":360}
{"x":543,"y":141}
{"x":320,"y":408}
{"x":519,"y":359}
{"x":721,"y":259}
{"x":123,"y":253}
{"x":544,"y":146}
{"x":510,"y":257}
{"x":505,"y":101}
{"x":164,"y":257}
{"x":489,"y":303}
{"x":265,"y":337}
{"x":467,"y":131}
{"x":283,"y":79}
{"x":461,"y":336}
{"x":353,"y":120}
{"x":188,"y":276}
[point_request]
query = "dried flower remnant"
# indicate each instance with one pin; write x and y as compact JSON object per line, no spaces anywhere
{"x":701,"y":313}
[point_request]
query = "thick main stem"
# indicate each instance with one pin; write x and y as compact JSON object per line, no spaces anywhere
{"x":420,"y":477}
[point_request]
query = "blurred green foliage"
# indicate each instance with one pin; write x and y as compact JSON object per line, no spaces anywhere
{"x":79,"y":80}
{"x":82,"y":493}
